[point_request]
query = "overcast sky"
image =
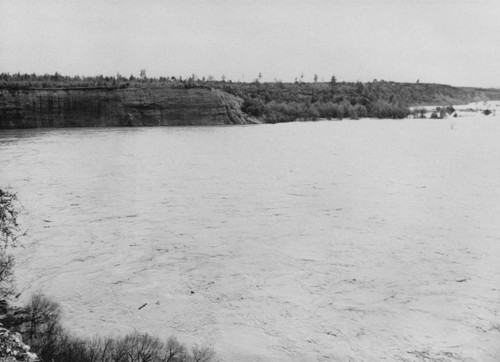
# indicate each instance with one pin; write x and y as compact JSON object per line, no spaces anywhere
{"x":440,"y":41}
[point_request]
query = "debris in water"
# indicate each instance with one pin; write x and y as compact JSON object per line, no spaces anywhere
{"x":142,"y":306}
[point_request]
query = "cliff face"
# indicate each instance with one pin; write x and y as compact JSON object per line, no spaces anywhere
{"x":119,"y":107}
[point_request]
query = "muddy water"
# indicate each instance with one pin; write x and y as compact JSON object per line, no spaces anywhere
{"x":365,"y":240}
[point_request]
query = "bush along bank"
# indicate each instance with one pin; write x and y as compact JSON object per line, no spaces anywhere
{"x":286,"y":102}
{"x":34,"y":332}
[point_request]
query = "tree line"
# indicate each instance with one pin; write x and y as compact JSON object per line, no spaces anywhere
{"x":277,"y":101}
{"x":284,"y":102}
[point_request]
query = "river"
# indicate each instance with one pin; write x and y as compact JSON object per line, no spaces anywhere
{"x":359,"y":240}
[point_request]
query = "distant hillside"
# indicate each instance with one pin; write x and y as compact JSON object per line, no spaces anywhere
{"x":411,"y":94}
{"x":492,"y":94}
{"x":415,"y":94}
{"x":271,"y":102}
{"x":277,"y":102}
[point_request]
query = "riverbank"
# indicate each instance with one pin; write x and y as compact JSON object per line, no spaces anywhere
{"x":31,"y":101}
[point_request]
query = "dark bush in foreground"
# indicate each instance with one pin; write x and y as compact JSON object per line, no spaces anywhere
{"x":135,"y":347}
{"x":42,"y":330}
{"x":253,"y":107}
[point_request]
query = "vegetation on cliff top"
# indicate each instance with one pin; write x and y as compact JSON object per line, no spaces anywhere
{"x":283,"y":102}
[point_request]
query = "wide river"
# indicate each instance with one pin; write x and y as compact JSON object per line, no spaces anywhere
{"x":370,"y":240}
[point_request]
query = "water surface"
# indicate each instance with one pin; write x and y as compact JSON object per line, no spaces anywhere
{"x":368,"y":240}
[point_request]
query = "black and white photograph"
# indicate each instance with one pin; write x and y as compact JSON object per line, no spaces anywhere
{"x":250,"y":180}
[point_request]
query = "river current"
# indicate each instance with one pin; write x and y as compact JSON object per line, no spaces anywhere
{"x":353,"y":240}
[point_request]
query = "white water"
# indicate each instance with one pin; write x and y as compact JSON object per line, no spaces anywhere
{"x":361,"y":240}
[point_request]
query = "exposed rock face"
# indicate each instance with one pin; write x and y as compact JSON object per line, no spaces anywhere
{"x":119,"y":107}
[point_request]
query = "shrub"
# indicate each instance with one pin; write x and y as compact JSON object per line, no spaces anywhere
{"x":450,"y":110}
{"x":253,"y":107}
{"x":419,"y":112}
{"x":386,"y":109}
{"x":361,"y":110}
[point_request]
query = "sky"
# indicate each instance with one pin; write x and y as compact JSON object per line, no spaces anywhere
{"x":437,"y":41}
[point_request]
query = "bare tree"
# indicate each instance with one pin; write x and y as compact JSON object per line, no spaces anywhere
{"x":203,"y":354}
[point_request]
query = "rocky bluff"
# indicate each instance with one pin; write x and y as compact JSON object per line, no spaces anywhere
{"x":111,"y":107}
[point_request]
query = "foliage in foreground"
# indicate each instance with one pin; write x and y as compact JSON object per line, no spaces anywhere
{"x":11,"y":346}
{"x":38,"y":324}
{"x":9,"y":234}
{"x":13,"y":349}
{"x":42,"y":330}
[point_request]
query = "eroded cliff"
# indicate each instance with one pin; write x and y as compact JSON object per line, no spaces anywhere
{"x":102,"y":107}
